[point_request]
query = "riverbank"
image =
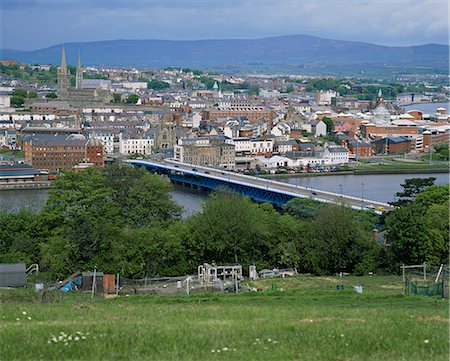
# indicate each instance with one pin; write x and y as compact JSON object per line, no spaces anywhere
{"x":362,"y":170}
{"x":25,"y":186}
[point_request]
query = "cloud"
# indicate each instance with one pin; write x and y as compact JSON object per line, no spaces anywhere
{"x":47,"y":22}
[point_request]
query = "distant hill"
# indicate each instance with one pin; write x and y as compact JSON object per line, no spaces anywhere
{"x":292,"y":50}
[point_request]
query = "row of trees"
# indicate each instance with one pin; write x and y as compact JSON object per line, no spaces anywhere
{"x":122,"y":219}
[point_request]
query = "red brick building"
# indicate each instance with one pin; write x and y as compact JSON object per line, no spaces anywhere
{"x":360,"y":149}
{"x":253,"y":113}
{"x":59,"y":152}
{"x":391,"y":145}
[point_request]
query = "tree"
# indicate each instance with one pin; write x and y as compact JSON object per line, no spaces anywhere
{"x":229,"y":229}
{"x":32,"y":94}
{"x":19,"y":92}
{"x":329,"y":123}
{"x":51,"y":95}
{"x":117,"y":98}
{"x":132,"y":99}
{"x":411,"y":188}
{"x":17,"y":101}
{"x":157,"y":84}
{"x":442,"y":151}
{"x":418,"y":229}
{"x":346,"y":243}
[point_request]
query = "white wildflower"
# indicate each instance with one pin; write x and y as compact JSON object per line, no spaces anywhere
{"x":225,"y":349}
{"x":29,"y":318}
{"x":342,"y":335}
{"x":77,"y":338}
{"x":426,"y":341}
{"x":17,"y":319}
{"x":269,"y":340}
{"x":24,"y":312}
{"x":213,"y":351}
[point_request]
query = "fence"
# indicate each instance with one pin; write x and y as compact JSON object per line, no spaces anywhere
{"x":426,"y":280}
{"x":184,"y":285}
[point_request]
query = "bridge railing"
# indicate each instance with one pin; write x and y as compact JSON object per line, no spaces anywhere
{"x":281,"y":184}
{"x":239,"y":179}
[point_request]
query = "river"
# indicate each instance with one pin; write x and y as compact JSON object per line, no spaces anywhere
{"x":378,"y":187}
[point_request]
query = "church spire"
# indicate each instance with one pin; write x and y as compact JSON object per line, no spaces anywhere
{"x":79,"y":74}
{"x":63,"y":77}
{"x":380,"y":99}
{"x":63,"y":61}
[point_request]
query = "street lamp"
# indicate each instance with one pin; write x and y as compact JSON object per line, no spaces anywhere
{"x":362,"y":195}
{"x":431,"y":149}
{"x":340,"y":189}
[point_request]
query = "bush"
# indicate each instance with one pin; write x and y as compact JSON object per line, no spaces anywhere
{"x":18,"y":295}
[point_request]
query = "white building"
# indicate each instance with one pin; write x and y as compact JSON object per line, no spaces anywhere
{"x":245,"y":146}
{"x":324,"y":97}
{"x":335,"y":155}
{"x":275,"y":162}
{"x":129,"y":144}
{"x":107,"y":140}
{"x":318,"y":127}
{"x":134,"y":85}
{"x":5,"y":101}
{"x":102,"y":110}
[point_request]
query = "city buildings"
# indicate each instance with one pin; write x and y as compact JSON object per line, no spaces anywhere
{"x":61,"y":152}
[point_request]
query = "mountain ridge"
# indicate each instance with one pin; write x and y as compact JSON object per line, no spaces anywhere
{"x":287,"y":49}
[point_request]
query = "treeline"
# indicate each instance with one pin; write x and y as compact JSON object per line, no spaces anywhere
{"x":360,"y":90}
{"x":123,"y":220}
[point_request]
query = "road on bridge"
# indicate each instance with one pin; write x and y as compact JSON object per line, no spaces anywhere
{"x":264,"y":183}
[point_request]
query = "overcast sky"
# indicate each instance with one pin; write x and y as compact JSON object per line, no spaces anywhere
{"x":34,"y":24}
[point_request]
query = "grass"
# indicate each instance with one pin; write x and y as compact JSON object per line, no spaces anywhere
{"x":305,"y":319}
{"x":10,"y":153}
{"x":399,"y":165}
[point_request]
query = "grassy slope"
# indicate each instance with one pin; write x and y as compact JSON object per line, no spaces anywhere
{"x":308,"y":319}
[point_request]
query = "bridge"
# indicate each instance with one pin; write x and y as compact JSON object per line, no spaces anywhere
{"x":259,"y":189}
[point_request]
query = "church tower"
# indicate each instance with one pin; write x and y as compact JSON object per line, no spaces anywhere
{"x":380,"y":99}
{"x":62,"y":89}
{"x":79,"y":75}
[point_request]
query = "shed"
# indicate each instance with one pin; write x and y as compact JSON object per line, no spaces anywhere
{"x":88,"y":278}
{"x":13,"y":275}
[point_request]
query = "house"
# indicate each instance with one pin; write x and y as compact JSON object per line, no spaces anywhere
{"x":318,"y":127}
{"x":335,"y":155}
{"x":133,"y":143}
{"x":360,"y":149}
{"x":286,"y":146}
{"x":275,"y":162}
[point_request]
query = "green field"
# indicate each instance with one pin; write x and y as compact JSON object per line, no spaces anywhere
{"x":305,"y":318}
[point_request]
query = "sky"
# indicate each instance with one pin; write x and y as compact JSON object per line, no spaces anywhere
{"x":35,"y":24}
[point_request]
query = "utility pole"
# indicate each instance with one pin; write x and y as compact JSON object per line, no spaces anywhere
{"x":431,"y":149}
{"x":362,"y":195}
{"x":93,"y":283}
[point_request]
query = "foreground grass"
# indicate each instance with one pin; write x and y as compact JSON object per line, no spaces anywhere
{"x":305,"y":319}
